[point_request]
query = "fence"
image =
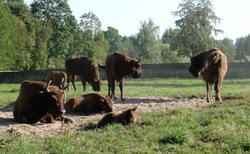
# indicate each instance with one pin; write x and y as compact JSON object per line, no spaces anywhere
{"x":180,"y":70}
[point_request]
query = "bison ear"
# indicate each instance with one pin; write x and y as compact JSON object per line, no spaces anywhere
{"x":135,"y":108}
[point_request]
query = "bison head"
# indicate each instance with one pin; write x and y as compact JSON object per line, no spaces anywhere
{"x":96,"y":85}
{"x":106,"y":105}
{"x":197,"y":64}
{"x":54,"y":100}
{"x":136,"y":71}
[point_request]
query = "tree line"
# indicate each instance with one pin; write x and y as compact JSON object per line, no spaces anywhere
{"x":44,"y":34}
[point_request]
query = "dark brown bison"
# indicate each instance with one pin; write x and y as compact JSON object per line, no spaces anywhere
{"x":59,"y":79}
{"x":124,"y":117}
{"x":89,"y":103}
{"x":117,"y":67}
{"x":38,"y":101}
{"x":212,"y":65}
{"x":86,"y":68}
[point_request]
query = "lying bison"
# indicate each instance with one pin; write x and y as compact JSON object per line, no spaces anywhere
{"x":38,"y":101}
{"x":117,"y":67}
{"x":212,"y":65}
{"x":59,"y":79}
{"x":89,"y":103}
{"x":87,"y":69}
{"x":124,"y":117}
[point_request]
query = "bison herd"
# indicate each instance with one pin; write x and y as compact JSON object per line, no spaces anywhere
{"x":46,"y":101}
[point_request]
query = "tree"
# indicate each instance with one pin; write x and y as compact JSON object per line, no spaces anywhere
{"x":197,"y":23}
{"x":169,"y":35}
{"x":90,"y":22}
{"x":57,"y":13}
{"x":227,"y":46}
{"x":13,"y":41}
{"x":114,"y":38}
{"x":149,"y":42}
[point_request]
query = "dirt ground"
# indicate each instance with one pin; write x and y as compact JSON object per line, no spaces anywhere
{"x":145,"y":104}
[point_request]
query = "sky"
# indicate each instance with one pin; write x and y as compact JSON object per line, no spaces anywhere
{"x":126,"y":15}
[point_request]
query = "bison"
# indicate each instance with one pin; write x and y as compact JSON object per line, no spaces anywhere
{"x":59,"y":79}
{"x":89,"y":103}
{"x":118,"y":66}
{"x":127,"y":116}
{"x":39,"y":101}
{"x":212,"y":65}
{"x":87,"y":69}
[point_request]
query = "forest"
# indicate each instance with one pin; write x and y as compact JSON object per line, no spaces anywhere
{"x":44,"y":34}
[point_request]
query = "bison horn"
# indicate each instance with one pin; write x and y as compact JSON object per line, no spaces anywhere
{"x":190,"y":55}
{"x":67,"y":85}
{"x":47,"y":86}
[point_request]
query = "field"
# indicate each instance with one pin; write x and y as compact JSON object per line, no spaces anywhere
{"x":175,"y":118}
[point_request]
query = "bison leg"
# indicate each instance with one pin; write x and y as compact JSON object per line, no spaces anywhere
{"x":73,"y":80}
{"x":48,"y":118}
{"x":209,"y":96}
{"x":112,"y":84}
{"x":217,"y":90}
{"x":121,"y":84}
{"x":68,"y":75}
{"x":83,"y":84}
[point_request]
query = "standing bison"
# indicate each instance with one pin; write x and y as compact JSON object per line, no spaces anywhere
{"x":123,"y":116}
{"x":38,"y":101}
{"x":58,"y":79}
{"x":117,"y":67}
{"x":86,"y":68}
{"x":212,"y":65}
{"x":89,"y":103}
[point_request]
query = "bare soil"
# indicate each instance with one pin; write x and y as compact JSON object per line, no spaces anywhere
{"x":145,"y":104}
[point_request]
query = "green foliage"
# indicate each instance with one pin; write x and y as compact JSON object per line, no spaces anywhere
{"x":242,"y":45}
{"x":227,"y":46}
{"x":149,"y":42}
{"x":197,"y":23}
{"x":114,"y":39}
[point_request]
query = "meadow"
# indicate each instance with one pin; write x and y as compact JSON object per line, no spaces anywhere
{"x":220,"y":127}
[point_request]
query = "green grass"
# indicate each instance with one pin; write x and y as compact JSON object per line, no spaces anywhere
{"x":221,"y":127}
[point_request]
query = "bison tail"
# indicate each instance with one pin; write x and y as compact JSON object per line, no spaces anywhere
{"x":103,"y":67}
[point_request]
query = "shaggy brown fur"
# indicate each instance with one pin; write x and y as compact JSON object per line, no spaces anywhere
{"x":86,"y":68}
{"x":59,"y":79}
{"x":89,"y":103}
{"x":117,"y":67}
{"x":212,"y":65}
{"x":38,"y":101}
{"x":124,"y":117}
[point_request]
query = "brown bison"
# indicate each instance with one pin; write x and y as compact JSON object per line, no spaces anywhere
{"x":124,"y":117}
{"x":87,"y":69}
{"x":212,"y":65}
{"x":117,"y":67}
{"x":89,"y":103}
{"x":58,"y":79}
{"x":38,"y":101}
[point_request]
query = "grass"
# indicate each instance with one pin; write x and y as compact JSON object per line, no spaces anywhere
{"x":221,"y":127}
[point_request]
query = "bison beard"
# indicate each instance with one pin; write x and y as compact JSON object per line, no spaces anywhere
{"x":38,"y":101}
{"x":212,"y":65}
{"x":86,"y":68}
{"x":117,"y":67}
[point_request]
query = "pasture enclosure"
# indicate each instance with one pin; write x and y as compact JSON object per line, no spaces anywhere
{"x":175,"y":118}
{"x":179,"y":70}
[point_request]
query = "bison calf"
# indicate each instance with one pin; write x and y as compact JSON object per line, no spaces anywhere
{"x":89,"y":103}
{"x":124,"y":117}
{"x":38,"y":101}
